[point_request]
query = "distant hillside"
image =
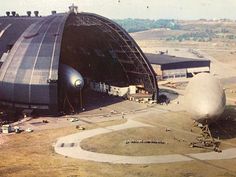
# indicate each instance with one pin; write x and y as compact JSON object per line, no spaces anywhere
{"x":196,"y":30}
{"x":136,"y":25}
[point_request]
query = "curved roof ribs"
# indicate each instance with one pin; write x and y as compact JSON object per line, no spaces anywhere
{"x":129,"y":55}
{"x":32,"y":64}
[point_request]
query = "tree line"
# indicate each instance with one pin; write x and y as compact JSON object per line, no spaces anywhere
{"x":136,"y":25}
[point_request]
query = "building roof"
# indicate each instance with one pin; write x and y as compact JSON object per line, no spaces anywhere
{"x":168,"y":59}
{"x":33,"y":60}
{"x":172,"y":62}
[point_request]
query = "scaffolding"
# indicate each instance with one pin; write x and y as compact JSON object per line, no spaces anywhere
{"x":134,"y":63}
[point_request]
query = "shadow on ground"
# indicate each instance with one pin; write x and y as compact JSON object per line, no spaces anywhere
{"x":225,"y":127}
{"x":172,"y":95}
{"x":91,"y":100}
{"x":95,"y":100}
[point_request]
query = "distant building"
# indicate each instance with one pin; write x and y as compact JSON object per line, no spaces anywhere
{"x":169,"y":67}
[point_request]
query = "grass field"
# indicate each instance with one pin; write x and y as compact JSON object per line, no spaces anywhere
{"x":32,"y":155}
{"x":177,"y":141}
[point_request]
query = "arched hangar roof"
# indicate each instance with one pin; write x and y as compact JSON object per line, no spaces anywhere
{"x":29,"y":75}
{"x":32,"y":62}
{"x":11,"y":29}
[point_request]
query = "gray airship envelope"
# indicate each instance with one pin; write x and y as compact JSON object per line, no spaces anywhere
{"x":204,"y":98}
{"x":70,"y":77}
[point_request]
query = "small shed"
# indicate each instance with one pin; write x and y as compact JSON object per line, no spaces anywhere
{"x":6,"y":129}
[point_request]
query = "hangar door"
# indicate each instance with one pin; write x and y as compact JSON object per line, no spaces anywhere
{"x":174,"y":73}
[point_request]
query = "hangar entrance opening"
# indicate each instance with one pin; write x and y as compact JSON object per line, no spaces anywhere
{"x":104,"y":59}
{"x":89,"y":50}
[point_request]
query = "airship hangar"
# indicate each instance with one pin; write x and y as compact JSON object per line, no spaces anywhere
{"x":34,"y":48}
{"x":48,"y":62}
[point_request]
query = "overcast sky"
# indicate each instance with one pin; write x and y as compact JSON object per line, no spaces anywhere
{"x":153,"y":9}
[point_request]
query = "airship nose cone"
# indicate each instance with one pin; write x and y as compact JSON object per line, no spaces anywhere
{"x":206,"y":111}
{"x":205,"y":98}
{"x":71,"y":77}
{"x":78,"y":83}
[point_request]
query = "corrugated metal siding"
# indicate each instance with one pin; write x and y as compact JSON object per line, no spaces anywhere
{"x":198,"y":69}
{"x":174,"y":73}
{"x":33,"y":61}
{"x":14,"y":27}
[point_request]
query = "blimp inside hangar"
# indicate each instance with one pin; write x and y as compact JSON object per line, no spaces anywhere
{"x":46,"y":62}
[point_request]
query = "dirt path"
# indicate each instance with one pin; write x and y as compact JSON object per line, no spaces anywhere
{"x":70,"y":146}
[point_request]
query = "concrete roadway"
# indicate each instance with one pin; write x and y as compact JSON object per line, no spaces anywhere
{"x":70,"y":146}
